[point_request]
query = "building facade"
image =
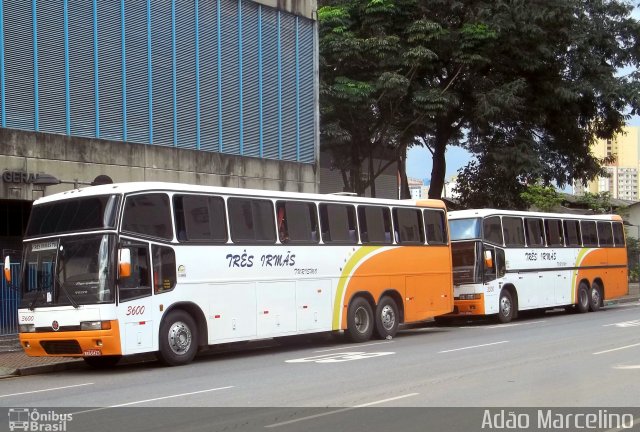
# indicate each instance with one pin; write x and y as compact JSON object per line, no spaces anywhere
{"x":218,"y":92}
{"x":622,"y":181}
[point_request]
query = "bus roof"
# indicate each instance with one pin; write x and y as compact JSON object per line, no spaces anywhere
{"x":135,"y":187}
{"x":474,"y":213}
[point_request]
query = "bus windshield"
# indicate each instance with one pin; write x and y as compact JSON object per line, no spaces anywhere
{"x":69,"y":271}
{"x":466,"y":262}
{"x":464,"y":229}
{"x":83,"y":214}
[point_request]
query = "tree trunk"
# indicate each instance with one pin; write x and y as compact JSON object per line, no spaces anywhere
{"x":402,"y":173}
{"x":439,"y":168}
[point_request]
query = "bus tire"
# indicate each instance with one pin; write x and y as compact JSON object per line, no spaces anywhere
{"x":102,"y":362}
{"x":178,"y":339}
{"x":360,"y":320}
{"x":387,"y":318}
{"x":595,"y":297}
{"x":505,"y":307}
{"x":583,"y":298}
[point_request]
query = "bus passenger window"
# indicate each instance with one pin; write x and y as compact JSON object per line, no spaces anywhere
{"x":408,"y":224}
{"x":435,"y":227}
{"x":553,"y":230}
{"x":251,"y":221}
{"x":492,"y":229}
{"x":297,"y":222}
{"x":148,"y":214}
{"x":605,"y":235}
{"x":572,"y":233}
{"x":375,"y":224}
{"x":535,"y":236}
{"x":338,"y":223}
{"x":618,"y":234}
{"x":200,"y":218}
{"x":513,"y":231}
{"x":589,"y":233}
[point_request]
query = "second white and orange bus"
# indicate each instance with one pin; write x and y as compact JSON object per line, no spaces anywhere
{"x":122,"y":269}
{"x":509,"y":261}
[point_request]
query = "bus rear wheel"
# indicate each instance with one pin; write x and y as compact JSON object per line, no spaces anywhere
{"x":595,"y":299}
{"x":583,"y":298}
{"x":360,"y":320}
{"x":505,"y":307}
{"x":387,"y":318}
{"x":178,"y":339}
{"x":102,"y":362}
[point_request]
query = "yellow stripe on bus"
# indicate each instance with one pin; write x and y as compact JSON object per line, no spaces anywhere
{"x":355,"y":259}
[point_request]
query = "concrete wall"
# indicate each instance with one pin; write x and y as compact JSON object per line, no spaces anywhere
{"x":80,"y":159}
{"x":305,"y":8}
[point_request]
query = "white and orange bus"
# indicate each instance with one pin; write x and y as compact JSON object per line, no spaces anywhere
{"x":130,"y":268}
{"x":510,"y":261}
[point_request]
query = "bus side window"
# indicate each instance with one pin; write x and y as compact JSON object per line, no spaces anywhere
{"x":435,"y":227}
{"x":164,"y":269}
{"x":251,"y":220}
{"x":618,"y":234}
{"x":492,"y":229}
{"x":605,"y":235}
{"x":139,"y":283}
{"x":338,"y":223}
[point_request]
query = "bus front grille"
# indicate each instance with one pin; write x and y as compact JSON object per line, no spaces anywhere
{"x":61,"y":347}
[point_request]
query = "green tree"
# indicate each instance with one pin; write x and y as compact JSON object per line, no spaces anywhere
{"x":499,"y":77}
{"x":597,"y":202}
{"x":542,"y":198}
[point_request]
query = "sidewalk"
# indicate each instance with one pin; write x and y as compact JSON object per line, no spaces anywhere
{"x":17,"y":363}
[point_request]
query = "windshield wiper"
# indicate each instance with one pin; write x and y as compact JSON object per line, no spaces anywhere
{"x":32,"y":305}
{"x":66,"y":293}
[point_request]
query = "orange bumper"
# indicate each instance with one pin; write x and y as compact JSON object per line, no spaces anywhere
{"x":468,"y":307}
{"x":73,"y":343}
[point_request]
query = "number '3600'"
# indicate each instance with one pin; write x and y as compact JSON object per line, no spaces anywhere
{"x":135,"y":310}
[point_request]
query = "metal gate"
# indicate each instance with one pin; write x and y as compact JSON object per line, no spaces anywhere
{"x":9,"y":301}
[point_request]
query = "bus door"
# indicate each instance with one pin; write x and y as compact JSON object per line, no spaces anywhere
{"x":134,"y":298}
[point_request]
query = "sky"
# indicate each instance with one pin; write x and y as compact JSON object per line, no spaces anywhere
{"x":419,"y":161}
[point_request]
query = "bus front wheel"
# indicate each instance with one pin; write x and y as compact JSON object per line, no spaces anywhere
{"x":387,"y":318}
{"x":583,"y":298}
{"x":178,"y":339}
{"x":360,"y":320}
{"x":505,"y":307}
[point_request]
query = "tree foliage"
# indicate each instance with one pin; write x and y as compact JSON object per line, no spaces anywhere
{"x":530,"y":84}
{"x":541,"y":198}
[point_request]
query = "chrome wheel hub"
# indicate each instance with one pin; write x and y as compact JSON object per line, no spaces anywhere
{"x":179,"y":338}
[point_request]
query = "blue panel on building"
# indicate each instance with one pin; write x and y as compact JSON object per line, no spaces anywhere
{"x":226,"y":75}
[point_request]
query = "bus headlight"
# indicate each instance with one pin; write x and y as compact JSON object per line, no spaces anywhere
{"x":26,"y":328}
{"x":95,"y":325}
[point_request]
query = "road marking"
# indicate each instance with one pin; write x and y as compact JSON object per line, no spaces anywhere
{"x":616,"y":349}
{"x":635,"y":422}
{"x":353,"y":346}
{"x":154,"y":399}
{"x":474,"y":346}
{"x":46,"y":390}
{"x":340,"y":410}
{"x":515,"y":324}
{"x":623,"y":324}
{"x":627,"y":367}
{"x":338,"y":357}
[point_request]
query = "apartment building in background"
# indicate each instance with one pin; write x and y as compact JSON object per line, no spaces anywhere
{"x":622,"y":181}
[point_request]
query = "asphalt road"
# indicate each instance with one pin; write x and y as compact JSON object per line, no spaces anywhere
{"x":550,"y":360}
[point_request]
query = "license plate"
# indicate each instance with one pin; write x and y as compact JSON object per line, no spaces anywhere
{"x":92,"y":353}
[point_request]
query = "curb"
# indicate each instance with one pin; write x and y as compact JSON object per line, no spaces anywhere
{"x":40,"y":369}
{"x":627,"y":299}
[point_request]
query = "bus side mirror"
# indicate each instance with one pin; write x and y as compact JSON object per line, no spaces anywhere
{"x":124,"y":263}
{"x":488,"y":259}
{"x":7,"y":269}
